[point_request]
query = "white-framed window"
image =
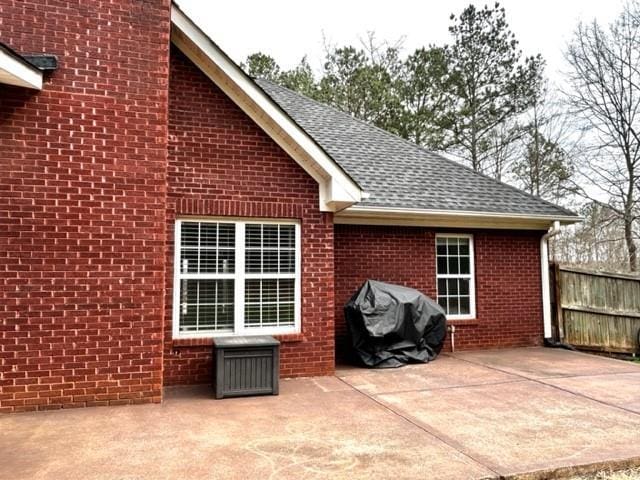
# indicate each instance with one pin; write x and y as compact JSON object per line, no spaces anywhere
{"x":455,"y":275}
{"x":236,"y":277}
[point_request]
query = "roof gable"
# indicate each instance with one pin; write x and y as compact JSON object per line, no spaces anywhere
{"x":337,"y":189}
{"x":364,"y":173}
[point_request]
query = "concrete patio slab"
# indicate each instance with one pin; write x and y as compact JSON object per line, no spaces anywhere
{"x":445,"y":372}
{"x":537,"y":362}
{"x":315,"y":429}
{"x":521,"y":427}
{"x":525,"y":413}
{"x":621,"y":390}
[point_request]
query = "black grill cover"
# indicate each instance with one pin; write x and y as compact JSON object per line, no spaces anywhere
{"x":391,"y":325}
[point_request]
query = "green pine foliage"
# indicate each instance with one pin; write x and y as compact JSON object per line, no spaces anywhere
{"x":466,"y":98}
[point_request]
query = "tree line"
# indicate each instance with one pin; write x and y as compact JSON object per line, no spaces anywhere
{"x":480,"y":100}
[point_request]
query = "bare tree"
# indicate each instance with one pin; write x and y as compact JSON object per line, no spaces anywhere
{"x":604,"y":91}
{"x":502,"y":144}
{"x":597,"y":243}
{"x":548,"y":145}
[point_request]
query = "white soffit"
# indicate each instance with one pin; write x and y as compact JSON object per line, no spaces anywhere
{"x":363,"y":215}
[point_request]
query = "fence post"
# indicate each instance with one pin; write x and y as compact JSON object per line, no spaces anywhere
{"x":557,"y":284}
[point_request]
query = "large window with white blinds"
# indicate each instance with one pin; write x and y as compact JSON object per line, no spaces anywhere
{"x":236,"y":277}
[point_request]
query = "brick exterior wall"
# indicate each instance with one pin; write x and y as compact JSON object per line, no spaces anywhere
{"x":507,"y":270}
{"x":82,"y":206}
{"x":222,"y":164}
{"x":97,"y":167}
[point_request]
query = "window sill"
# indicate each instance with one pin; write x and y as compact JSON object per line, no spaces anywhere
{"x":208,"y":341}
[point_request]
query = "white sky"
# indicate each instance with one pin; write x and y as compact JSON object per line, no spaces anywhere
{"x":287,"y":29}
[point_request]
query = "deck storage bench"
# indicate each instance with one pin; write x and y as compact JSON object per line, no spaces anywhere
{"x":246,"y":366}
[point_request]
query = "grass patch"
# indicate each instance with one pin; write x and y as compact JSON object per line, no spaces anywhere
{"x":629,"y":474}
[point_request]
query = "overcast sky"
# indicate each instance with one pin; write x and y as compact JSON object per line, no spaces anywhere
{"x":287,"y":29}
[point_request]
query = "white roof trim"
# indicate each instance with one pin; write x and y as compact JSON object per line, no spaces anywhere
{"x":337,"y":189}
{"x":14,"y":70}
{"x":363,"y":215}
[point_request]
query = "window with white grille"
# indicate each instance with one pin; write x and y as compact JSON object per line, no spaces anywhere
{"x":236,"y":277}
{"x":455,"y":275}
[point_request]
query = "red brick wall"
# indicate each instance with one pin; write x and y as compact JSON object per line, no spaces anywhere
{"x":82,"y":206}
{"x":507,"y":268}
{"x":85,"y":210}
{"x":221,"y":163}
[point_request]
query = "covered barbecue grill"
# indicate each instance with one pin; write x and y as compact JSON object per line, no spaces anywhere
{"x":391,"y":325}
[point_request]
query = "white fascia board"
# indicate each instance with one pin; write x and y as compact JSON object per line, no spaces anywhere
{"x":362,"y":215}
{"x":16,"y":71}
{"x":337,"y":189}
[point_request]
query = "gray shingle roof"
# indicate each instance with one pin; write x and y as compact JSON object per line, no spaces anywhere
{"x":397,"y":173}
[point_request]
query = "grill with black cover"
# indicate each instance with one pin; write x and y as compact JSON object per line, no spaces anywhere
{"x":391,"y":325}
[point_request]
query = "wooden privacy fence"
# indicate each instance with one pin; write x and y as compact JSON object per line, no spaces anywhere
{"x":597,"y":311}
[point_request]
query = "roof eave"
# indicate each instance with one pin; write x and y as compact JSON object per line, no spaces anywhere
{"x":336,"y":189}
{"x":15,"y":70}
{"x":368,"y":215}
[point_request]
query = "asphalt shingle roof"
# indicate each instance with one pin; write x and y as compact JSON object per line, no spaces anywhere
{"x":397,"y":173}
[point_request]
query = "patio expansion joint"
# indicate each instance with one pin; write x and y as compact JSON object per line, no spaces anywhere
{"x":426,"y":430}
{"x":435,"y":389}
{"x":611,"y":374}
{"x":565,"y":390}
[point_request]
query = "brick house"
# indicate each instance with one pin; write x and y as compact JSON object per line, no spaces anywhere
{"x":153,"y":196}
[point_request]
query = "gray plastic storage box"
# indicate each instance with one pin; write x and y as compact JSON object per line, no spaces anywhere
{"x":246,"y":366}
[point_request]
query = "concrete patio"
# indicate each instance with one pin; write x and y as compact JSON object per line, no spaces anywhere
{"x":529,"y":413}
